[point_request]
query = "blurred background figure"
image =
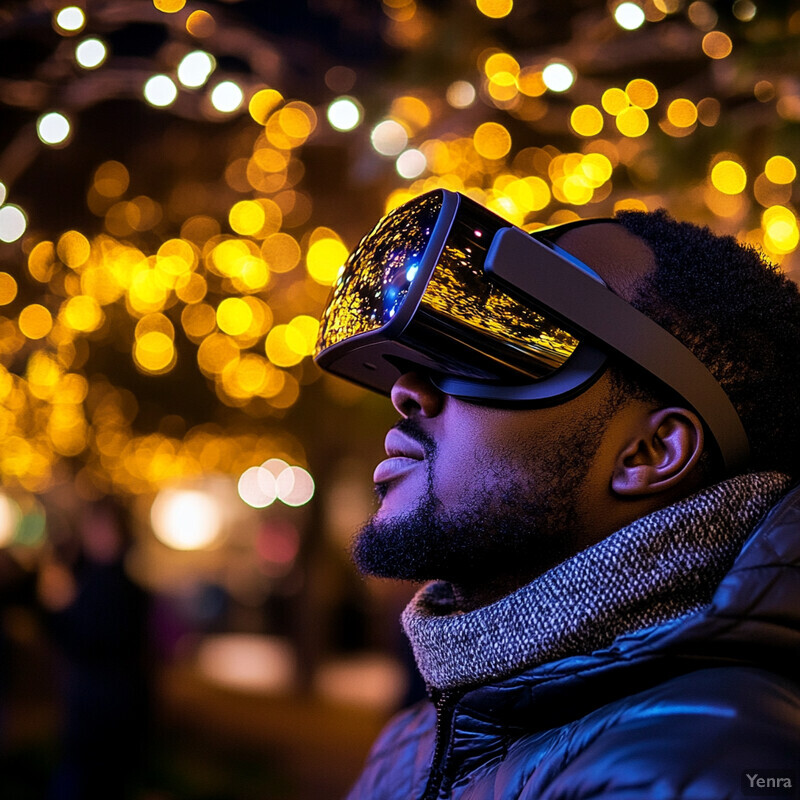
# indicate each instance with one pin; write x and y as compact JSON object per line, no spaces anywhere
{"x":96,"y":616}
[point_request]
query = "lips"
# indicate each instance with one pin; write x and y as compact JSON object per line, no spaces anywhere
{"x":404,"y":455}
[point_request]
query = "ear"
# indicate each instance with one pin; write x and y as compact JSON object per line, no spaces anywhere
{"x":664,"y":447}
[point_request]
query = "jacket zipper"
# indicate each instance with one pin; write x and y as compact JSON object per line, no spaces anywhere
{"x":445,"y":704}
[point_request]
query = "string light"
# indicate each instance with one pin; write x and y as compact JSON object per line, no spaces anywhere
{"x":226,"y":97}
{"x":344,"y":114}
{"x":558,"y":77}
{"x":53,"y":128}
{"x":227,"y":279}
{"x":629,"y":16}
{"x":70,"y":19}
{"x":195,"y":68}
{"x":91,"y":53}
{"x":160,"y":91}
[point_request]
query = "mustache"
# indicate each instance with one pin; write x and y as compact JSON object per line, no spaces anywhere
{"x":409,"y":427}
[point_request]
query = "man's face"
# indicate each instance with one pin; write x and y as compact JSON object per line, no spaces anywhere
{"x":474,"y":494}
{"x":470,"y":493}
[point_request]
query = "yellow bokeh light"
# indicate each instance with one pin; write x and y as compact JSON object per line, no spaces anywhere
{"x":781,"y":233}
{"x":273,"y":216}
{"x":73,"y":249}
{"x":586,"y":120}
{"x":495,"y":9}
{"x":42,"y":261}
{"x":768,"y":193}
{"x":111,"y":179}
{"x":83,"y":313}
{"x":411,"y":111}
{"x":614,"y":101}
{"x":295,"y":123}
{"x":154,"y":351}
{"x":35,"y":321}
{"x":708,"y":111}
{"x":198,"y":320}
{"x":502,"y":87}
{"x":682,"y":113}
{"x":777,"y":213}
{"x":301,"y":334}
{"x":530,"y":82}
{"x":234,"y":316}
{"x":43,"y":374}
{"x":229,"y":255}
{"x":492,"y":140}
{"x":596,"y":169}
{"x":278,"y":349}
{"x":176,"y":256}
{"x":575,"y":190}
{"x":324,"y":260}
{"x":154,"y":322}
{"x":263,"y":103}
{"x":248,"y":376}
{"x":642,"y":93}
{"x":717,"y":44}
{"x":72,"y":388}
{"x":498,"y":63}
{"x":191,"y":288}
{"x":216,"y":352}
{"x":780,"y":169}
{"x":200,"y":24}
{"x":729,"y":177}
{"x":169,"y":6}
{"x":147,"y":293}
{"x":8,"y":288}
{"x":630,"y":204}
{"x":632,"y":121}
{"x":254,"y":275}
{"x":246,"y":217}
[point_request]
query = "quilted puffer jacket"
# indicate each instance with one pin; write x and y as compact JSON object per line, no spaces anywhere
{"x":706,"y":707}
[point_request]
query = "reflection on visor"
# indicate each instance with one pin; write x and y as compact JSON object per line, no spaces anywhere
{"x":459,"y":291}
{"x":464,"y":322}
{"x":379,"y":272}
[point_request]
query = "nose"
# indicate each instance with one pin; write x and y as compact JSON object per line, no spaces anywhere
{"x":414,"y":394}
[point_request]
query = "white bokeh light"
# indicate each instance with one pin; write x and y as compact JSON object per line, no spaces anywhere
{"x":461,"y":94}
{"x":558,"y":77}
{"x":13,"y":223}
{"x":195,"y":68}
{"x":3,"y":193}
{"x":295,"y":486}
{"x":389,"y":138}
{"x":70,"y":18}
{"x":344,"y":114}
{"x":186,"y":519}
{"x":9,"y":520}
{"x":274,"y":480}
{"x":227,"y":97}
{"x":160,"y":91}
{"x":629,"y":16}
{"x":53,"y":128}
{"x":257,"y":487}
{"x":91,"y":53}
{"x":411,"y":164}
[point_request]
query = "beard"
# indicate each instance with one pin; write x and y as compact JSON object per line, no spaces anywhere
{"x":515,"y":523}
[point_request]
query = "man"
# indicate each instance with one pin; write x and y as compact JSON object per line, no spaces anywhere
{"x":614,"y":607}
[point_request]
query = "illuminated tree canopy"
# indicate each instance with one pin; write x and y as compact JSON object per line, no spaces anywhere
{"x":180,"y":182}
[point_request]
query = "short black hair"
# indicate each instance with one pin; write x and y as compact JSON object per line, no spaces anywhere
{"x":740,"y":315}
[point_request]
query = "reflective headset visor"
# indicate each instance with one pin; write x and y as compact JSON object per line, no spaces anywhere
{"x":496,"y":315}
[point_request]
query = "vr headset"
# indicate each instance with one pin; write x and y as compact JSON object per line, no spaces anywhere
{"x":498,"y":316}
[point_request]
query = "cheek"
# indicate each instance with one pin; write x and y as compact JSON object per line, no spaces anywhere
{"x":462,"y":466}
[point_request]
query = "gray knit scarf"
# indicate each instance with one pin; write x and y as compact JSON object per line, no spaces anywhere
{"x":660,"y":567}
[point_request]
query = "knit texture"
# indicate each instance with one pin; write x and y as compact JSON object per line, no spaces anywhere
{"x":660,"y":567}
